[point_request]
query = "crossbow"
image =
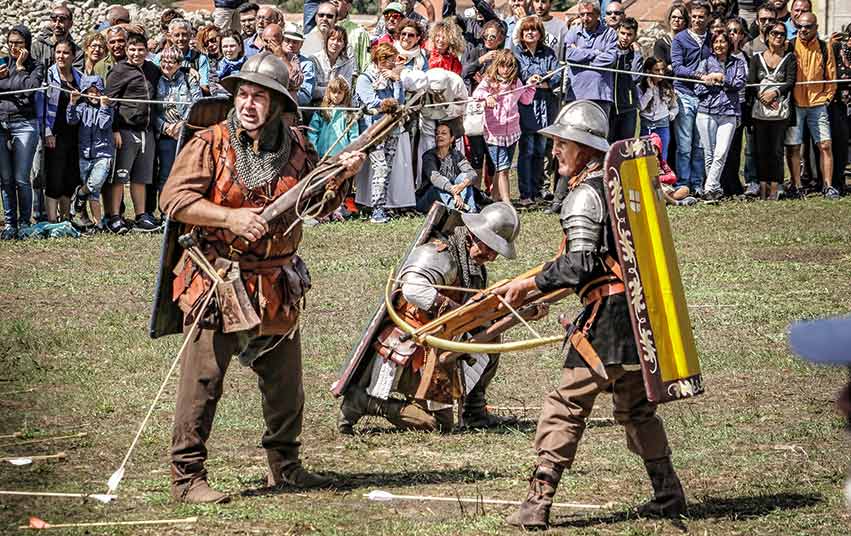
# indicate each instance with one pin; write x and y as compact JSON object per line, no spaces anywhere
{"x":485,"y":308}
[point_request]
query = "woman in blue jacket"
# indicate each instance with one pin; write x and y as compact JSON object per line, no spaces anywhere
{"x":719,"y":109}
{"x":535,"y":60}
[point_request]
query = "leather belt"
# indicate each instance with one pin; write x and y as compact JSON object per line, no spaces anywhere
{"x":265,"y":264}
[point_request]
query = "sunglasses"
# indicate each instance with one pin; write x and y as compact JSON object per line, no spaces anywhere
{"x":777,"y":33}
{"x":325,"y":16}
{"x":612,"y":13}
{"x":806,"y":26}
{"x":408,"y":34}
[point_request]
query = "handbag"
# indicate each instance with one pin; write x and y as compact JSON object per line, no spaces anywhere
{"x":474,"y":118}
{"x":761,"y":111}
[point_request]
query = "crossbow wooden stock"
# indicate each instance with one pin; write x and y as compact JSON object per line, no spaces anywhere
{"x":480,"y":310}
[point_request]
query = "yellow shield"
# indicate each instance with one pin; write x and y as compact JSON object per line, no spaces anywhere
{"x":655,"y":293}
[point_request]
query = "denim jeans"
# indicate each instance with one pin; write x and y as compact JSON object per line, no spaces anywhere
{"x":93,"y":173}
{"x":468,"y":196}
{"x":662,"y":129}
{"x":15,"y":164}
{"x":166,"y":152}
{"x":716,"y":134}
{"x":530,"y":164}
{"x":690,"y":168}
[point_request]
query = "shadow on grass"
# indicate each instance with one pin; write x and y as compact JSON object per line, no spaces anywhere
{"x":352,"y":481}
{"x":523,"y":426}
{"x":731,"y":508}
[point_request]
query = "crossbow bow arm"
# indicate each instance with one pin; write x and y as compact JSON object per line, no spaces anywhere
{"x":477,"y":317}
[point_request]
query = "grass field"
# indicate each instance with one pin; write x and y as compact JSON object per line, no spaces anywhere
{"x":762,"y":452}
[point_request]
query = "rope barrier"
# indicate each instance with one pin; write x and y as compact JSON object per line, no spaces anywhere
{"x":698,"y":81}
{"x":113,"y":99}
{"x":340,"y":108}
{"x":21,"y":91}
{"x":545,"y":77}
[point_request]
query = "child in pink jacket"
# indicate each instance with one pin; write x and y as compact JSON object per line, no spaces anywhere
{"x":501,"y":90}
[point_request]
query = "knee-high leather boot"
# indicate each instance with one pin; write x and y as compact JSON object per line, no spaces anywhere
{"x":669,"y":500}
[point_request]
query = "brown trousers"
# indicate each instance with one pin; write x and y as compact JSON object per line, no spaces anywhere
{"x":201,"y":377}
{"x":562,"y":420}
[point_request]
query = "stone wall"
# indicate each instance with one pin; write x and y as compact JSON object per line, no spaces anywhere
{"x":35,"y":15}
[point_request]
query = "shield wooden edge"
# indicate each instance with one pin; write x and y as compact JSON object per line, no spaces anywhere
{"x":654,"y":289}
{"x":440,"y":219}
{"x":166,"y":316}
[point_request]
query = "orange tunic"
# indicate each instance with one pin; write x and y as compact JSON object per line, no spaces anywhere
{"x":273,"y":274}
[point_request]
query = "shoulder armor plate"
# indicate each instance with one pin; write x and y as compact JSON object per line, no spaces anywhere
{"x":582,"y":216}
{"x":432,"y":260}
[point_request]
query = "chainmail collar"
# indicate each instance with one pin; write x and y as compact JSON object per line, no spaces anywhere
{"x":472,"y":275}
{"x":259,"y":162}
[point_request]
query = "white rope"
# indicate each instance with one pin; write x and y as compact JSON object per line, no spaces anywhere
{"x":20,"y":91}
{"x":113,"y":99}
{"x":698,"y":81}
{"x":318,"y":108}
{"x":548,"y":75}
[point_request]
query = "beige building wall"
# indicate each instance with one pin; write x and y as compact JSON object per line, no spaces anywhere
{"x":833,"y":15}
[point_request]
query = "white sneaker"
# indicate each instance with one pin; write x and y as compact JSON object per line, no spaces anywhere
{"x":752,"y":190}
{"x":379,"y":215}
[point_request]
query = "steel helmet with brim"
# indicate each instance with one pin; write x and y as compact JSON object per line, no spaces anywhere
{"x":497,"y":225}
{"x":583,"y":122}
{"x":268,"y":71}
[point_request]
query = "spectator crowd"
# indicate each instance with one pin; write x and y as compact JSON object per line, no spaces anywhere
{"x":725,"y":89}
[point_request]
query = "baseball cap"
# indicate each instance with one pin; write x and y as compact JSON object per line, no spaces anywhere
{"x":394,"y":6}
